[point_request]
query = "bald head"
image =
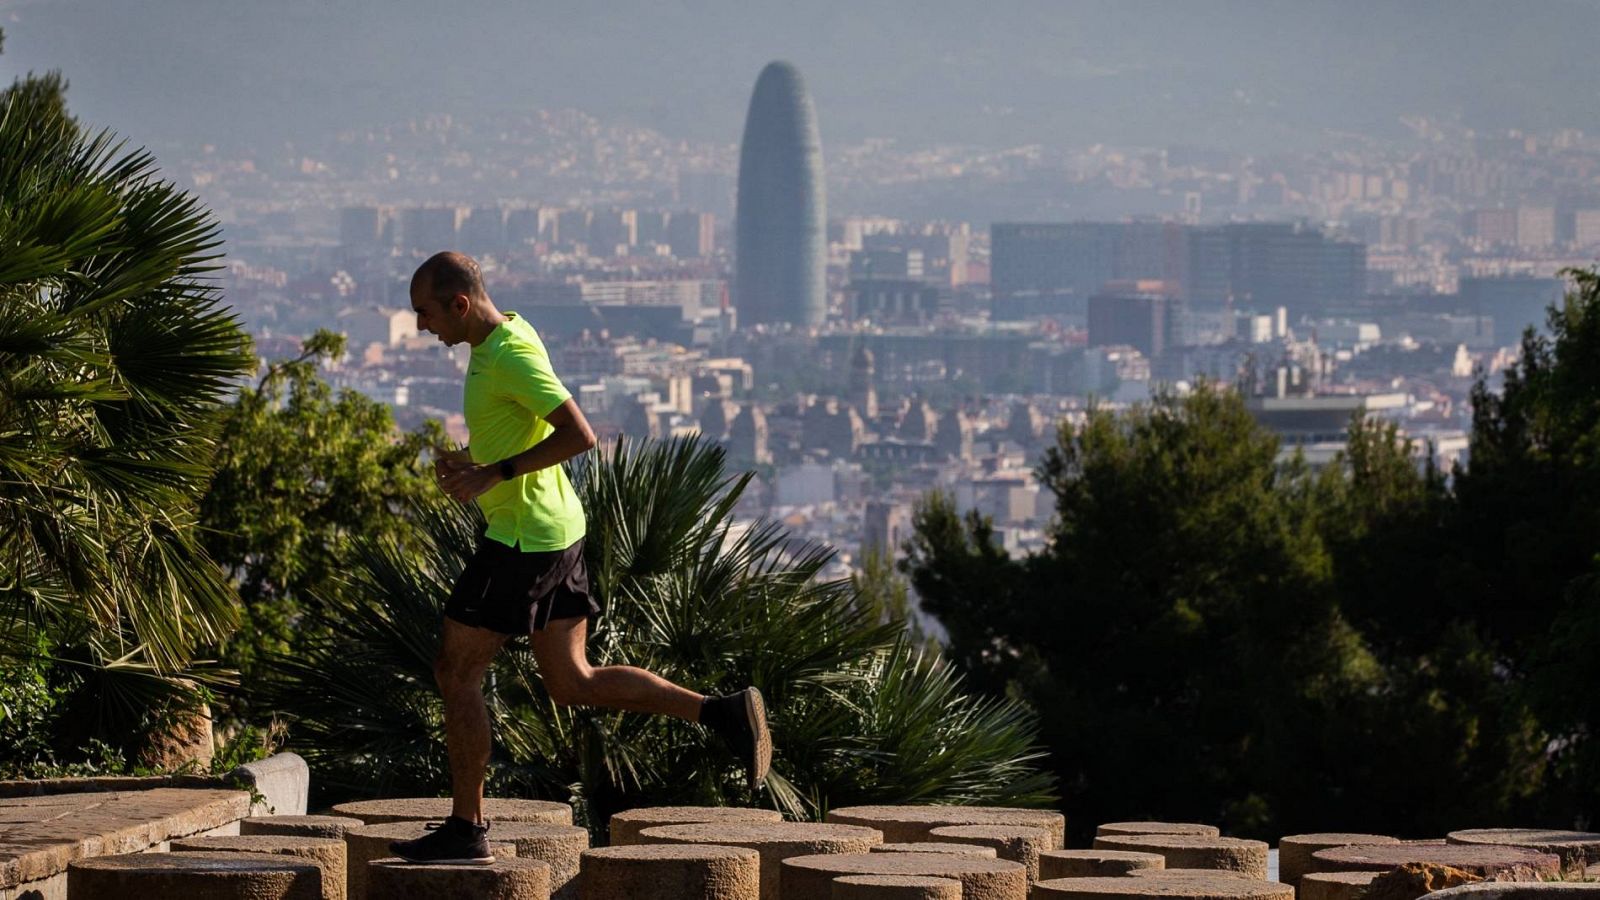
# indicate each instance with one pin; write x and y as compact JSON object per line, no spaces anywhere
{"x":444,"y":275}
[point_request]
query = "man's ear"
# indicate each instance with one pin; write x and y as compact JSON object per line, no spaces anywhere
{"x":460,"y":303}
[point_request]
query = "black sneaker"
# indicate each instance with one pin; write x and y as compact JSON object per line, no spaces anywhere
{"x":741,"y":721}
{"x":453,"y":842}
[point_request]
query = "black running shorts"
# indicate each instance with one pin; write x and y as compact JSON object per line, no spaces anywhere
{"x":506,"y":590}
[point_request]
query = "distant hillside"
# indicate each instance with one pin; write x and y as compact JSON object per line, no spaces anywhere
{"x":1245,"y":74}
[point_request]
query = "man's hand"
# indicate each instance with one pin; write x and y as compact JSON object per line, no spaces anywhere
{"x":464,"y":483}
{"x":447,"y":461}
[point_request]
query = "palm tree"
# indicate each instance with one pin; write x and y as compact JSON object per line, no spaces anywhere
{"x":861,"y":716}
{"x":114,"y":359}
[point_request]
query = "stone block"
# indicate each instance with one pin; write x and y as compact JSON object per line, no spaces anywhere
{"x":1294,"y":851}
{"x":510,"y":878}
{"x":626,"y":825}
{"x":283,"y":780}
{"x":1193,"y":828}
{"x":670,"y":872}
{"x":1185,"y":851}
{"x":1096,"y":863}
{"x":1578,"y":849}
{"x":194,"y":876}
{"x":812,"y":877}
{"x":1018,"y":843}
{"x":558,"y":846}
{"x":1334,"y":885}
{"x":895,"y":887}
{"x":775,"y":841}
{"x":299,"y":826}
{"x":938,"y":847}
{"x":1484,"y":860}
{"x":1499,"y":890}
{"x":435,"y":809}
{"x":327,"y":853}
{"x":904,"y":824}
{"x":371,"y":842}
{"x":1214,"y":886}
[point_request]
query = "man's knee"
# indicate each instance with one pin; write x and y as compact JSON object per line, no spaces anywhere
{"x":451,"y":671}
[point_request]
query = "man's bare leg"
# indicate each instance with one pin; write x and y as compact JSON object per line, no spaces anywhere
{"x":464,"y":656}
{"x":563,"y":658}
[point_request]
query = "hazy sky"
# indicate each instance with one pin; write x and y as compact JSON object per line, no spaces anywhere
{"x":1240,"y":74}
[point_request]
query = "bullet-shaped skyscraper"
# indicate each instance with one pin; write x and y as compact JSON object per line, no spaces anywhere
{"x":780,"y":273}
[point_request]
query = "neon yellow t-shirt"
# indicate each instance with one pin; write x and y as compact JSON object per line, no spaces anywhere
{"x":510,"y":388}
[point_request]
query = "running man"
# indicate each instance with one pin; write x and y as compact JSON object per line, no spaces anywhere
{"x":527,"y":576}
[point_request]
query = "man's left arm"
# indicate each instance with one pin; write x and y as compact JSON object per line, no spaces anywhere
{"x":571,"y":435}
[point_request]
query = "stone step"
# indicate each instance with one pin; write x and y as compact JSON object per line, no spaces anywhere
{"x":371,"y":842}
{"x":1578,"y":849}
{"x":435,"y":809}
{"x":327,"y":853}
{"x":1018,"y":843}
{"x":1483,"y":860}
{"x":1194,"y":828}
{"x":938,"y":847}
{"x":1095,"y":863}
{"x":895,"y":887}
{"x":300,"y":826}
{"x":1216,"y":886}
{"x":775,"y":841}
{"x":558,"y":846}
{"x":194,"y":876}
{"x":812,"y":877}
{"x":1186,"y":851}
{"x":901,"y":824}
{"x":1334,"y":885}
{"x":509,"y":878}
{"x":626,"y":825}
{"x":670,"y":872}
{"x":40,"y":835}
{"x":1294,"y":851}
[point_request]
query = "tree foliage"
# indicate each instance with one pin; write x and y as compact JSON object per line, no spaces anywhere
{"x":298,"y":472}
{"x":1216,"y":633}
{"x":115,"y":359}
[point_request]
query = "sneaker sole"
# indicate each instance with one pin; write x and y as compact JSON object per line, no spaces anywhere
{"x":475,"y":861}
{"x":755,"y":708}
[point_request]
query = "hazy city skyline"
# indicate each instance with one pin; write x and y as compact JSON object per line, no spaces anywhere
{"x":1240,"y":75}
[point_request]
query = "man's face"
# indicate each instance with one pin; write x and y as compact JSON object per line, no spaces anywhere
{"x":444,"y":316}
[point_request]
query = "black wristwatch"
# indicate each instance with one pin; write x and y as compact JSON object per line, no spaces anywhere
{"x":508,"y":470}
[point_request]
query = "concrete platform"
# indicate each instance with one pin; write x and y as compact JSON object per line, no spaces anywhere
{"x":901,"y":824}
{"x":1334,"y":885}
{"x":40,"y":836}
{"x":327,"y":853}
{"x":371,"y":842}
{"x":1018,"y":843}
{"x":300,"y":826}
{"x":1294,"y":851}
{"x":1485,"y":861}
{"x":1578,"y":849}
{"x":938,"y":847}
{"x":1184,"y":851}
{"x":811,"y":877}
{"x":1096,"y":863}
{"x":670,"y":872}
{"x":1193,"y":828}
{"x":775,"y":841}
{"x":436,"y":809}
{"x":504,"y":879}
{"x":895,"y":887}
{"x":626,"y":825}
{"x":194,"y":876}
{"x":558,"y":846}
{"x":1220,"y":886}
